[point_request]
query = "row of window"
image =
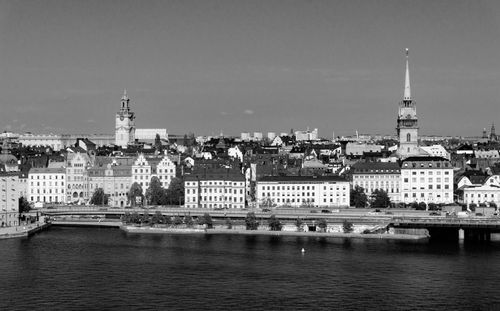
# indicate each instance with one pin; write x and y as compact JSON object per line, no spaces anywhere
{"x":422,"y":180}
{"x":45,"y":191}
{"x":49,"y":176}
{"x":214,"y":198}
{"x":32,"y":184}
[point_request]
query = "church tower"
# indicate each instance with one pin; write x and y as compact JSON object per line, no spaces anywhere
{"x":407,"y":124}
{"x":125,"y":123}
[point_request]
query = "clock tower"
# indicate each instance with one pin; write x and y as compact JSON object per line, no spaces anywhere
{"x":407,"y":124}
{"x":125,"y":123}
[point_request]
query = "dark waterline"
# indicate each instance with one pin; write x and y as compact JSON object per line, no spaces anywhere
{"x":102,"y":269}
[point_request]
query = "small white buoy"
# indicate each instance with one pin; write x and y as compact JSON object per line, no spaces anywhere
{"x":303,"y":251}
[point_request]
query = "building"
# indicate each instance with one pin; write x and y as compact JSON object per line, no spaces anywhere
{"x":437,"y":151}
{"x":9,"y":201}
{"x":150,"y":134}
{"x":114,"y":179}
{"x":145,"y":168}
{"x":324,"y":191}
{"x":47,"y":185}
{"x":306,"y":135}
{"x":76,"y":177}
{"x":215,"y":188}
{"x":426,"y":179}
{"x":378,"y":175}
{"x":407,"y":123}
{"x":124,"y":123}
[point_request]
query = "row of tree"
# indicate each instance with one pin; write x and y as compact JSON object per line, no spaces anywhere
{"x":159,"y":219}
{"x":378,"y":198}
{"x":155,"y":194}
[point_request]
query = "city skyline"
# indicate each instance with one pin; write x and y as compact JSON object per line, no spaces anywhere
{"x":248,"y":66}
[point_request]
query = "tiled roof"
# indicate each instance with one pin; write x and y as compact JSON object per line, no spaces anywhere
{"x":303,"y":178}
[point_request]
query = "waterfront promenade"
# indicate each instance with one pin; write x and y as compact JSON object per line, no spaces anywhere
{"x":23,"y":230}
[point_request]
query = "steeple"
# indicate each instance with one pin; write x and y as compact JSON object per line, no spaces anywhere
{"x":124,"y":97}
{"x":407,"y":93}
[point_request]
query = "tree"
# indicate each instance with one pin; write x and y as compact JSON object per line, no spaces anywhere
{"x":251,"y":221}
{"x":298,"y":224}
{"x":229,"y":223}
{"x":175,"y":192}
{"x":158,"y":145}
{"x":99,"y":197}
{"x":188,"y":220}
{"x":422,"y":206}
{"x":358,"y":197}
{"x":206,"y":219}
{"x":134,"y":193}
{"x":155,"y":195}
{"x":24,"y":205}
{"x":322,"y":224}
{"x":380,"y":198}
{"x":177,"y":221}
{"x":414,"y":205}
{"x":347,"y":226}
{"x":157,"y":218}
{"x":274,"y":223}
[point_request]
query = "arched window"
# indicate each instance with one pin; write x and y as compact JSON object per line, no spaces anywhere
{"x":408,"y":137}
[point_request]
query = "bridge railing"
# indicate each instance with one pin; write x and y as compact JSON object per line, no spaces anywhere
{"x":447,"y":220}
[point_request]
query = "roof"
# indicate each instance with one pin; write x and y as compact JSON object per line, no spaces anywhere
{"x":215,"y":174}
{"x":47,"y":170}
{"x":424,"y":159}
{"x":302,"y":178}
{"x":376,"y":167}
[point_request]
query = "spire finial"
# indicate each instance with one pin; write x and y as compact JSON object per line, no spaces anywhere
{"x":124,"y":94}
{"x":407,"y":92}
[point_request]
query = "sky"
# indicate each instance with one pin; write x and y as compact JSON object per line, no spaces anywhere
{"x":248,"y":66}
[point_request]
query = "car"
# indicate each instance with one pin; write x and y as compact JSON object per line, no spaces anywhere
{"x":326,"y":211}
{"x":435,"y":213}
{"x":313,"y":211}
{"x":266,"y":210}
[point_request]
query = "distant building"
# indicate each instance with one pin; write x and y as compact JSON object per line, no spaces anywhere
{"x":324,"y":191}
{"x":145,"y":168}
{"x":114,"y":179}
{"x":76,"y":177}
{"x":306,"y":135}
{"x":150,"y":134}
{"x":436,"y":151}
{"x":215,"y":188}
{"x":124,"y":123}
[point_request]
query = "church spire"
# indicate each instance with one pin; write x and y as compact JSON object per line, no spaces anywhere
{"x":407,"y":94}
{"x":124,"y":97}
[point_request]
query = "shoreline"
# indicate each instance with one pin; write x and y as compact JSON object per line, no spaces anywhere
{"x":181,"y":231}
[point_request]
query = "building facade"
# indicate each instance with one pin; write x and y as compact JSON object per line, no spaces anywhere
{"x":76,"y":177}
{"x":426,"y":179}
{"x":114,"y":179}
{"x":321,"y":191}
{"x":145,"y":168}
{"x":378,"y":175}
{"x":124,"y":123}
{"x":9,"y":200}
{"x":47,"y":185}
{"x":215,"y":188}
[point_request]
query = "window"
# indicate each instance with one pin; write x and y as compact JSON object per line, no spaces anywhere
{"x":408,"y":138}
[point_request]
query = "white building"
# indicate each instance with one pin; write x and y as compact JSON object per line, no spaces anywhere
{"x":487,"y":193}
{"x":436,"y":151}
{"x":144,"y":169}
{"x":426,"y":179}
{"x":378,"y":175}
{"x":324,"y":191}
{"x":306,"y":135}
{"x":150,"y":134}
{"x":47,"y":185}
{"x":218,"y":188}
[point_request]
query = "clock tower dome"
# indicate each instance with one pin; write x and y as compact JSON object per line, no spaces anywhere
{"x":125,"y":123}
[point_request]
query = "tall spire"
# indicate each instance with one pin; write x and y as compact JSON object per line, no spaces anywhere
{"x":407,"y":94}
{"x":124,"y":97}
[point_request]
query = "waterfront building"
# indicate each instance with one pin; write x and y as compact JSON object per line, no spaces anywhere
{"x":145,"y":168}
{"x":324,"y":191}
{"x":215,"y":188}
{"x":426,"y":179}
{"x":484,"y":194}
{"x":124,"y":123}
{"x":47,"y":185}
{"x":378,"y":175}
{"x":9,"y":197}
{"x":114,"y":179}
{"x":76,"y":177}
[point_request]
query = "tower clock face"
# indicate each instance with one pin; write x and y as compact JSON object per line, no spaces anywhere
{"x":121,"y":118}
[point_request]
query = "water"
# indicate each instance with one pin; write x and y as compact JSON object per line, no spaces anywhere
{"x":102,"y":269}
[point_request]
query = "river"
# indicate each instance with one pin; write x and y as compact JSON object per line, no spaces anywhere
{"x":103,"y":269}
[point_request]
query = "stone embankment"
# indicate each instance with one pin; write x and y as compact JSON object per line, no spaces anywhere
{"x":216,"y":231}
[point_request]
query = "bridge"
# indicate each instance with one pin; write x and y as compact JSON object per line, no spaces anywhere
{"x":452,"y":228}
{"x":473,"y":228}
